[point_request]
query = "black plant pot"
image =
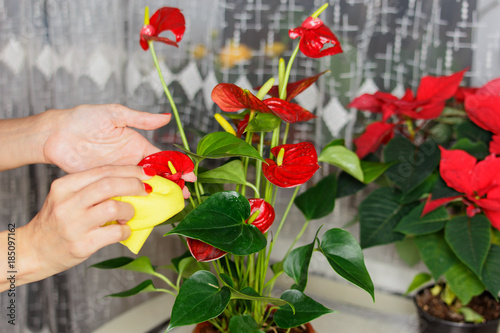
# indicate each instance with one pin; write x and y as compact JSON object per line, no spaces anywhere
{"x":431,"y":324}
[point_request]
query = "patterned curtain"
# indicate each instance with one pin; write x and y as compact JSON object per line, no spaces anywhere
{"x":61,"y":53}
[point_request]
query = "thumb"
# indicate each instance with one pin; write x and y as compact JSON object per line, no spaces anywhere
{"x":140,"y":120}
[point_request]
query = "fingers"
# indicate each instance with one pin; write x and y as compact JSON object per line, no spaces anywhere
{"x":110,"y":210}
{"x":108,"y":235}
{"x":141,"y":120}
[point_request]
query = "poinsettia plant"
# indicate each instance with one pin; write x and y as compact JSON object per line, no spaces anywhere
{"x":439,"y":200}
{"x":227,"y":275}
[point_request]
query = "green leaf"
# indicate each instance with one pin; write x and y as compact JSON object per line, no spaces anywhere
{"x":346,"y":257}
{"x":491,"y":270}
{"x":419,"y":280}
{"x":243,"y":324}
{"x":477,"y":149}
{"x":441,"y":190}
{"x":435,"y":253}
{"x":306,"y":309}
{"x":463,"y":282}
{"x":336,"y":142}
{"x":470,"y":315}
{"x":223,"y":145}
{"x":373,"y":170}
{"x":421,"y":191}
{"x":441,"y":133}
{"x":220,"y":222}
{"x":414,"y":224}
{"x":144,"y":287}
{"x":379,"y":214}
{"x":344,"y":159}
{"x":415,"y":163}
{"x":469,"y":238}
{"x":263,"y":122}
{"x":408,"y":251}
{"x":199,"y":300}
{"x":473,"y":132}
{"x":296,"y":265}
{"x":229,"y":173}
{"x":141,"y":264}
{"x":319,"y":200}
{"x":348,"y":185}
{"x":255,"y":297}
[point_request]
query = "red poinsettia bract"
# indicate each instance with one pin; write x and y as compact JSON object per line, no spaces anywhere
{"x":204,"y":252}
{"x":478,"y":181}
{"x":172,"y":165}
{"x":376,"y":133}
{"x":231,"y":98}
{"x":483,"y":108}
{"x":164,"y":19}
{"x":295,"y":164}
{"x":314,"y":35}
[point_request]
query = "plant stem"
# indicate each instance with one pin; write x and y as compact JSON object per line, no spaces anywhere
{"x":299,"y":235}
{"x":166,"y":280}
{"x":287,"y":72}
{"x":169,"y":97}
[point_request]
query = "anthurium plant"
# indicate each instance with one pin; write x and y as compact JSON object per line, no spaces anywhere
{"x":227,"y":276}
{"x":439,"y":201}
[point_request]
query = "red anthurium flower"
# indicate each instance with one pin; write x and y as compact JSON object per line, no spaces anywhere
{"x":294,"y":88}
{"x":266,"y":214}
{"x":164,"y":19}
{"x":295,"y":164}
{"x":314,"y":34}
{"x":203,"y":252}
{"x":478,"y":181}
{"x":376,"y":133}
{"x":172,"y":165}
{"x":288,"y":112}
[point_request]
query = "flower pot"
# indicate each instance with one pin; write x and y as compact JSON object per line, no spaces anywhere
{"x":206,"y":327}
{"x":431,"y":324}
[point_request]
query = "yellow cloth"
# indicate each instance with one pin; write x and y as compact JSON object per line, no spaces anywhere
{"x":162,"y":203}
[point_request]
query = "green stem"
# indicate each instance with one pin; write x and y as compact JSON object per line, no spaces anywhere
{"x":169,"y":96}
{"x":258,"y":166}
{"x":299,"y":235}
{"x":166,"y":280}
{"x":166,"y":291}
{"x":287,"y":72}
{"x":285,"y":135}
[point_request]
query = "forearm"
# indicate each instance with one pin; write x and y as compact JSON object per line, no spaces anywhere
{"x":22,"y":140}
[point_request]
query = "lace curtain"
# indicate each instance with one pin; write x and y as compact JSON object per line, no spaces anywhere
{"x":61,"y":53}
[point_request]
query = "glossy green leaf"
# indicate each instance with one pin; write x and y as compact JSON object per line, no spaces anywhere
{"x":415,"y":163}
{"x":348,"y":185}
{"x":141,"y":264}
{"x":469,"y":238}
{"x":408,"y":251}
{"x":263,"y":122}
{"x":229,"y":173}
{"x":463,"y":282}
{"x":319,"y":200}
{"x":470,"y":315}
{"x":223,"y":145}
{"x":491,"y":270}
{"x":255,"y":297}
{"x":373,"y":170}
{"x":296,"y":265}
{"x":415,"y":224}
{"x":346,"y":257}
{"x":199,"y":300}
{"x":418,"y":281}
{"x":306,"y":310}
{"x":220,"y":222}
{"x":144,"y":287}
{"x":344,"y":159}
{"x":243,"y":324}
{"x":435,"y":253}
{"x":336,"y":142}
{"x":379,"y":214}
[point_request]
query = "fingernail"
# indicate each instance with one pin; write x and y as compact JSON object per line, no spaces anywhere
{"x":149,"y":171}
{"x":148,"y":188}
{"x":166,"y":113}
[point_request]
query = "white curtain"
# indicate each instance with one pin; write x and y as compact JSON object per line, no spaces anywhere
{"x":61,"y":53}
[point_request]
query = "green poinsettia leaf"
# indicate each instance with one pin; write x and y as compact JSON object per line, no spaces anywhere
{"x":296,"y":265}
{"x":220,"y":221}
{"x":263,"y":122}
{"x":491,"y":270}
{"x":416,"y":224}
{"x":469,"y":238}
{"x":441,"y":190}
{"x":473,"y":132}
{"x":477,"y":149}
{"x":379,"y":213}
{"x":141,"y":264}
{"x":415,"y":163}
{"x":224,"y":145}
{"x":144,"y":287}
{"x":319,"y":200}
{"x":418,"y":281}
{"x":243,"y":324}
{"x":200,"y":299}
{"x":344,"y":159}
{"x":421,"y":191}
{"x":348,"y":185}
{"x":463,"y":282}
{"x":304,"y":310}
{"x":408,"y":251}
{"x":346,"y":257}
{"x":229,"y":173}
{"x":373,"y":170}
{"x":435,"y":253}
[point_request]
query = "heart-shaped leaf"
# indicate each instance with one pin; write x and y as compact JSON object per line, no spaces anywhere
{"x":141,"y":264}
{"x":469,"y":238}
{"x":414,"y":224}
{"x":344,"y":159}
{"x":220,"y":221}
{"x":435,"y":253}
{"x":224,"y":145}
{"x":348,"y":185}
{"x":263,"y":122}
{"x":251,"y":295}
{"x":373,"y":170}
{"x":243,"y":324}
{"x":306,"y":309}
{"x":296,"y":265}
{"x":319,"y":200}
{"x":419,"y":280}
{"x":346,"y":257}
{"x":144,"y":287}
{"x":199,"y":300}
{"x":229,"y":173}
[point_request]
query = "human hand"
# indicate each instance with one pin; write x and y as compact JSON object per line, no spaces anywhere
{"x":68,"y":229}
{"x":89,"y":136}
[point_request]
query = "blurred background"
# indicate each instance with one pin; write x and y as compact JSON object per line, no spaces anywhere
{"x":62,"y":53}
